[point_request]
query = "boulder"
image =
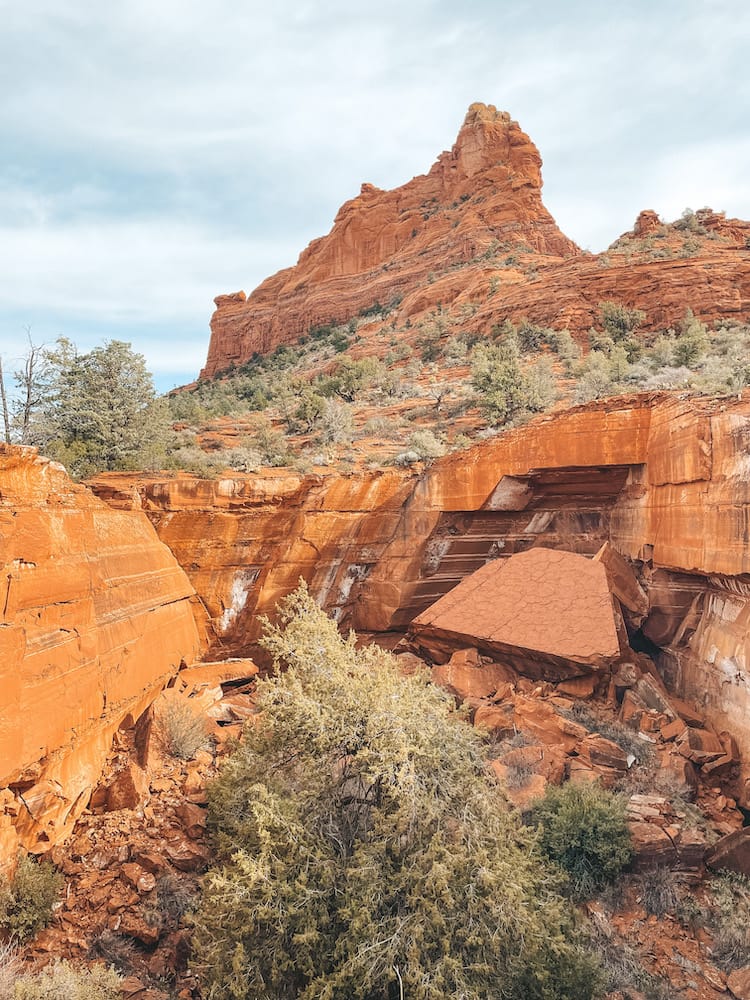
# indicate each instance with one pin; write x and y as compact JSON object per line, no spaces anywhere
{"x":546,"y":612}
{"x":700,"y":746}
{"x":466,"y":676}
{"x":738,"y":983}
{"x":731,"y":852}
{"x":652,"y":847}
{"x":606,"y":759}
{"x":129,"y":789}
{"x":623,"y":581}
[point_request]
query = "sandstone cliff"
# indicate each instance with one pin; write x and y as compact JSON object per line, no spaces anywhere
{"x":474,"y":236}
{"x":385,"y":244}
{"x":662,"y":478}
{"x":96,"y":617}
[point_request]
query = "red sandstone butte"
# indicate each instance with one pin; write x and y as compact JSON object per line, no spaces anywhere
{"x":96,"y":618}
{"x":550,"y":607}
{"x":387,"y":243}
{"x":473,"y":238}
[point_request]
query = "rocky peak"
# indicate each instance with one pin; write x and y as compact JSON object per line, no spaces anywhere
{"x":484,"y":192}
{"x":490,"y":142}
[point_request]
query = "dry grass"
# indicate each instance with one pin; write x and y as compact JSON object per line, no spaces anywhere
{"x":181,"y":731}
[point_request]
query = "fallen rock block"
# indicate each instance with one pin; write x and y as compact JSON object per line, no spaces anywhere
{"x":578,"y":687}
{"x":136,"y":927}
{"x":547,"y":612}
{"x":193,"y":819}
{"x":632,"y":709}
{"x":672,"y":730}
{"x":691,"y":850}
{"x":581,"y":773}
{"x":540,"y":720}
{"x":623,"y":581}
{"x":731,"y":852}
{"x":187,"y":855}
{"x":654,"y":695}
{"x":681,"y":774}
{"x":601,"y":752}
{"x":652,"y":846}
{"x":738,"y":983}
{"x":521,"y":790}
{"x":137,"y":877}
{"x":497,"y":719}
{"x":700,"y":746}
{"x":128,"y":790}
{"x":212,"y":675}
{"x":472,"y":679}
{"x":649,"y":809}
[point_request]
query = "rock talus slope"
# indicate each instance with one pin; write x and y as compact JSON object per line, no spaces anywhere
{"x":96,"y":617}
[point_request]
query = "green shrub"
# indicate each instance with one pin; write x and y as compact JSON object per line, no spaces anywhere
{"x":336,"y":422}
{"x":594,"y":378}
{"x":497,"y":377}
{"x":583,"y":829}
{"x":364,"y":849}
{"x":619,"y":321}
{"x":426,"y":444}
{"x":26,"y":900}
{"x":692,"y":341}
{"x":64,"y":981}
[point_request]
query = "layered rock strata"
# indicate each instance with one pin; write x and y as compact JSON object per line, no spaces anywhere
{"x":385,"y":244}
{"x":663,"y":479}
{"x":96,"y":617}
{"x":472,"y":239}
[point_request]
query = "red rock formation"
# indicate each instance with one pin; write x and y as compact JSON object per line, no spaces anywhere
{"x":473,"y":232}
{"x":97,"y":617}
{"x":385,"y":243}
{"x":662,"y":478}
{"x":546,"y":612}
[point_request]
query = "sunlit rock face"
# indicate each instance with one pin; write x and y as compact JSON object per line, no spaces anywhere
{"x":386,"y":243}
{"x":664,"y":479}
{"x":547,"y":612}
{"x":96,"y":617}
{"x":472,"y":237}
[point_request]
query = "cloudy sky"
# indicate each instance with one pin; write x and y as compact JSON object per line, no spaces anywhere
{"x":155,"y":153}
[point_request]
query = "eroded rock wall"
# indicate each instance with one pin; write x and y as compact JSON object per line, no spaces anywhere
{"x":665,"y":479}
{"x":385,"y":244}
{"x":472,"y":238}
{"x":96,"y":617}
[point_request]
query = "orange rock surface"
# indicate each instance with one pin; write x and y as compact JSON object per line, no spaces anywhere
{"x":662,"y":478}
{"x":473,"y":236}
{"x":97,"y":616}
{"x":549,"y":607}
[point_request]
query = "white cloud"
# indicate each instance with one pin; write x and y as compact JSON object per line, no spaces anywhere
{"x":155,"y":155}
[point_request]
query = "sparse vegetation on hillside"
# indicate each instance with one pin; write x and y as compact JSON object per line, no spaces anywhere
{"x":64,"y":981}
{"x":500,"y":379}
{"x":323,"y":400}
{"x":364,"y":850}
